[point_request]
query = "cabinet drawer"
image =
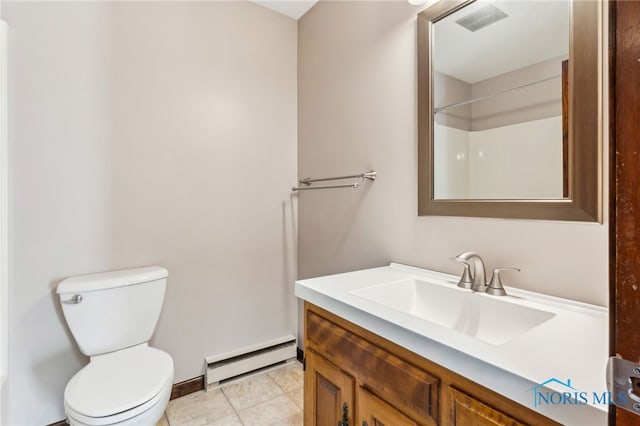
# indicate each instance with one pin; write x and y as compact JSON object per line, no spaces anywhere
{"x":466,"y":410}
{"x":403,"y":385}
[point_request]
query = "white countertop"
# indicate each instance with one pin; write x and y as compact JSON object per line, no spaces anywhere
{"x":573,"y":345}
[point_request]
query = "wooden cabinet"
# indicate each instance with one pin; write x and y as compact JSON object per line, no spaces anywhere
{"x":326,"y":390}
{"x":384,"y":384}
{"x":372,"y":411}
{"x":396,"y":381}
{"x":466,"y":410}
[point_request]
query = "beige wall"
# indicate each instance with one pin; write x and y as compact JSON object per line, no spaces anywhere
{"x":541,"y":100}
{"x":449,"y":91}
{"x":501,"y":106}
{"x":357,"y":110}
{"x":149,"y":133}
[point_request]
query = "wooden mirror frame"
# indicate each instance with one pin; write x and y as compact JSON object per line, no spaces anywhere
{"x":584,"y":202}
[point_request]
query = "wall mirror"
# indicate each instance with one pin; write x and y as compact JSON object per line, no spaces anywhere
{"x":509,"y":109}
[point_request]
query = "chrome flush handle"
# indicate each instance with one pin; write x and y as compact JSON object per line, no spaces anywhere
{"x":75,"y":299}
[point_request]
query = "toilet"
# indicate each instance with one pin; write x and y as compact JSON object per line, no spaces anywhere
{"x":112,"y":316}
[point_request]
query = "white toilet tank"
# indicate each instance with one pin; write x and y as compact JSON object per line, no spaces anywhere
{"x":113,"y":310}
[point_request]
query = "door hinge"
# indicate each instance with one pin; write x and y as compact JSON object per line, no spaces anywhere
{"x":623,"y":384}
{"x":304,"y":363}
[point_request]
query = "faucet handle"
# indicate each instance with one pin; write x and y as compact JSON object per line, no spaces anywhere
{"x":466,"y":280}
{"x":495,"y":287}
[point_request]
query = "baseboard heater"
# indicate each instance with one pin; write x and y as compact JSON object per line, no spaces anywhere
{"x":235,"y":363}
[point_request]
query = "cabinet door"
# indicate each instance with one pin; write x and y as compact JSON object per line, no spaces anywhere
{"x":372,"y":411}
{"x":398,"y":382}
{"x":326,"y":390}
{"x":466,"y":410}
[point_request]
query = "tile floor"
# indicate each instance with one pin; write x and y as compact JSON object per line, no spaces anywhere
{"x":270,"y":398}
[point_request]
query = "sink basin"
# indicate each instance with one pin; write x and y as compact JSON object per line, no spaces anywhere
{"x":490,"y":319}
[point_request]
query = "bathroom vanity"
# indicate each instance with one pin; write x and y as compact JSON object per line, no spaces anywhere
{"x":399,"y":346}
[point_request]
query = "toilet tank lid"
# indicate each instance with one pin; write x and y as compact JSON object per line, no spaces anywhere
{"x":106,"y":280}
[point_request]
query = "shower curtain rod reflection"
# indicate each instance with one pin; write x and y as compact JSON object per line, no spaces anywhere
{"x":370,"y":175}
{"x":501,"y":92}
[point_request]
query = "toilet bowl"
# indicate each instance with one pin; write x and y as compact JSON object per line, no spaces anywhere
{"x":112,"y":317}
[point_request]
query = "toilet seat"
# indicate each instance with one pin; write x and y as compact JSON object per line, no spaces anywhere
{"x":117,"y":386}
{"x":144,"y":414}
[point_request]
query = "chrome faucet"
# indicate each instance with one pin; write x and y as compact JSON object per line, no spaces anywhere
{"x":476,"y":281}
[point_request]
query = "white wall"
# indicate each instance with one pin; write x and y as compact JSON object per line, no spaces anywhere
{"x":357,"y":110}
{"x":4,"y":209}
{"x":519,"y":161}
{"x":149,"y":133}
{"x":450,"y":162}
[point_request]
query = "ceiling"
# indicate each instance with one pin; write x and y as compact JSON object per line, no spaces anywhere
{"x":533,"y":32}
{"x":292,"y":8}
